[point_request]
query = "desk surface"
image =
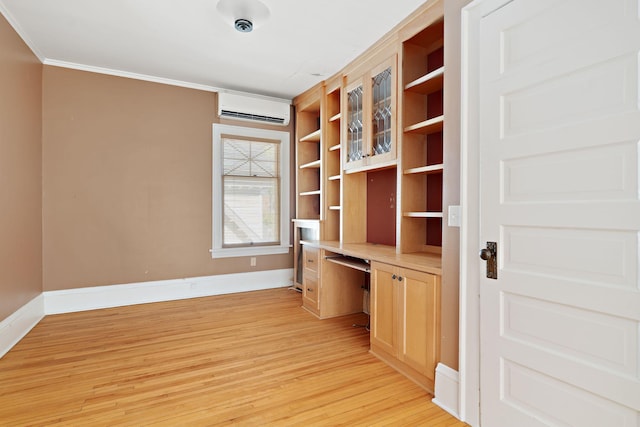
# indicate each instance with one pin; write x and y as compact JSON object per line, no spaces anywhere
{"x":427,"y":262}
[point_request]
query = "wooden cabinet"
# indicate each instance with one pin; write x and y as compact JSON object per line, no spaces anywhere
{"x":405,"y":325}
{"x":310,"y":279}
{"x":330,"y":289}
{"x":369,"y":129}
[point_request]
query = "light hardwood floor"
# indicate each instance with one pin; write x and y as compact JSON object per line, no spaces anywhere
{"x":249,"y":359}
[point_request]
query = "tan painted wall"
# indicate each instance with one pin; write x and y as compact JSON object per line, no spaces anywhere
{"x":20,"y":172}
{"x":127,"y":182}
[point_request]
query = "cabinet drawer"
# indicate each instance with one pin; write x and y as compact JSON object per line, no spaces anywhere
{"x":310,"y":293}
{"x":310,"y":258}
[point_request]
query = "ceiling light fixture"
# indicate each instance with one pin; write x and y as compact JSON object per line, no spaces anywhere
{"x":243,"y":15}
{"x":244,"y":25}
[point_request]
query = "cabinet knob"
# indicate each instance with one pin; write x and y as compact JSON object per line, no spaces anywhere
{"x":400,"y":278}
{"x":394,"y":277}
{"x":309,"y":260}
{"x":309,"y":290}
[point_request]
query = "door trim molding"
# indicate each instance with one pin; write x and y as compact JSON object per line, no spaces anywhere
{"x":469,"y":337}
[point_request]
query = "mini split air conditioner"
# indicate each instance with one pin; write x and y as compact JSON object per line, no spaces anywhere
{"x":243,"y":107}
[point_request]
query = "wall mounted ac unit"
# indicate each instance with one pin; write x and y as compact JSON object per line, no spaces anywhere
{"x":243,"y":107}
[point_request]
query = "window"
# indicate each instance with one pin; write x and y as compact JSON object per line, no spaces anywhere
{"x":250,"y":191}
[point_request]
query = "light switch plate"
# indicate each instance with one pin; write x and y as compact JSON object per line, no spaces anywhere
{"x":454,"y":216}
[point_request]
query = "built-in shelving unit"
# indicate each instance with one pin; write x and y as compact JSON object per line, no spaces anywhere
{"x":423,"y":75}
{"x":331,"y":229}
{"x":308,"y":156}
{"x":372,"y":158}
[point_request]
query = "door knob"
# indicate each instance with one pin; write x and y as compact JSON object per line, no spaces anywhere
{"x":486,"y":254}
{"x":490,"y":254}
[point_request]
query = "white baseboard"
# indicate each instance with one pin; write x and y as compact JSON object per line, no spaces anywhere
{"x":82,"y":299}
{"x":16,"y":326}
{"x":447,"y":389}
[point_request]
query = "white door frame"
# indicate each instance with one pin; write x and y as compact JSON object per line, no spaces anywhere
{"x":469,"y":335}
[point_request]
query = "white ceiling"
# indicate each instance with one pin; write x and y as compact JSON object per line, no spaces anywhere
{"x":192,"y":43}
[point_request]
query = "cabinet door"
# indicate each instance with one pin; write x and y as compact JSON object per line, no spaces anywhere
{"x":369,"y":130}
{"x":382,"y":139}
{"x":355,"y":148}
{"x":383,"y":307}
{"x":419,"y":336}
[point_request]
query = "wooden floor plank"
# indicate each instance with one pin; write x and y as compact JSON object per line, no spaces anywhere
{"x":255,"y":358}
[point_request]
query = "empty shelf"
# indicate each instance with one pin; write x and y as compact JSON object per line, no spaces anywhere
{"x":312,"y":137}
{"x":426,"y":127}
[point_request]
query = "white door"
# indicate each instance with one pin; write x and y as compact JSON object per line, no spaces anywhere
{"x":559,"y":194}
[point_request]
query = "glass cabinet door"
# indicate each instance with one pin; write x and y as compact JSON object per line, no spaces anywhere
{"x":381,"y":114}
{"x":370,"y":125}
{"x":355,"y":139}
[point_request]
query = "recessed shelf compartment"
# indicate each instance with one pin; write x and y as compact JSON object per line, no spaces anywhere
{"x":428,"y":83}
{"x":426,"y":127}
{"x":312,"y":137}
{"x":311,"y":165}
{"x":425,"y":169}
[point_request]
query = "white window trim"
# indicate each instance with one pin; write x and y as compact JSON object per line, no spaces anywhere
{"x":217,"y":251}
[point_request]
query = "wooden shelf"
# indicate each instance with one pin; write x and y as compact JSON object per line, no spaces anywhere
{"x":334,"y":147}
{"x":428,"y":83}
{"x":335,"y":118}
{"x":334,"y":178}
{"x":335,"y":208}
{"x":311,"y":165}
{"x":422,"y":214}
{"x":312,"y":137}
{"x":425,"y":169}
{"x":311,"y":193}
{"x":426,"y":127}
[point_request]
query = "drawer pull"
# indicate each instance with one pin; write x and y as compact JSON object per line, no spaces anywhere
{"x":309,"y":290}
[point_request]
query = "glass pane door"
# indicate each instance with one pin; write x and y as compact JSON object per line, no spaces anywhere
{"x":354,"y":125}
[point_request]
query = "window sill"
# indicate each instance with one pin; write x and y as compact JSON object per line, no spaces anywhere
{"x":249,"y":251}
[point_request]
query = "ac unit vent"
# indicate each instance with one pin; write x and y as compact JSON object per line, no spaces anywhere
{"x":253,"y":108}
{"x":249,"y":116}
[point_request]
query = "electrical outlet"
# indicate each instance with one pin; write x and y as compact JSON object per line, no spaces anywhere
{"x":253,"y":261}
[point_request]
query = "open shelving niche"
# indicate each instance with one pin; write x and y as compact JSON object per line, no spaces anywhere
{"x":308,"y":160}
{"x":331,"y":153}
{"x":308,"y":175}
{"x":423,"y":119}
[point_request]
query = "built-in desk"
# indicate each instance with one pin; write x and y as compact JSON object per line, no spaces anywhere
{"x":425,"y":262}
{"x":404,"y":300}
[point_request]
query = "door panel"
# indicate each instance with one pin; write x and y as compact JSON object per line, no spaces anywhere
{"x":421,"y":313}
{"x":383,"y":312}
{"x":560,"y":126}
